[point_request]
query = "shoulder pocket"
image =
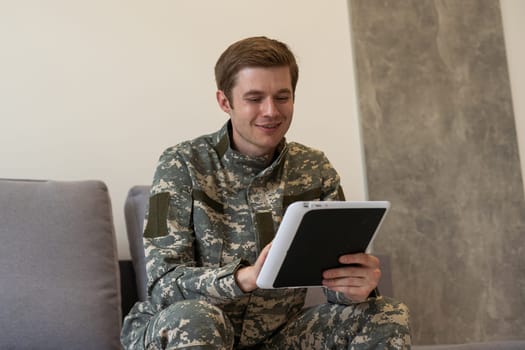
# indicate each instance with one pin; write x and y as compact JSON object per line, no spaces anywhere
{"x":157,"y":225}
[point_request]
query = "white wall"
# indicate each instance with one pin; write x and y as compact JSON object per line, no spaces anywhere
{"x":513,"y":13}
{"x":97,"y":89}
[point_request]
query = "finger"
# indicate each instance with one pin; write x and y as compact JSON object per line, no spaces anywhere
{"x":355,"y":289}
{"x":346,"y":271}
{"x":266,"y":249}
{"x":370,"y":276}
{"x":262,"y":256}
{"x":345,"y":282}
{"x":359,"y":259}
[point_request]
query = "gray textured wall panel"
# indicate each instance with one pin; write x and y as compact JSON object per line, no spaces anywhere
{"x":440,"y":144}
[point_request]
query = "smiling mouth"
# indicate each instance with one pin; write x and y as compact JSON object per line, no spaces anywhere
{"x":269,"y":126}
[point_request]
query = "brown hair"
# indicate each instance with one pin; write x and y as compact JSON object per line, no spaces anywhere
{"x":253,"y":52}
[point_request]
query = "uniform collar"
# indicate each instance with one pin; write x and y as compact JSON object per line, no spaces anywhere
{"x":225,"y":151}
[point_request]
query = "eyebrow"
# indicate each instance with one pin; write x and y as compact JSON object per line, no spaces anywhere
{"x":258,"y":92}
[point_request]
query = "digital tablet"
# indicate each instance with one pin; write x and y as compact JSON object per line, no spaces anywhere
{"x":313,"y":235}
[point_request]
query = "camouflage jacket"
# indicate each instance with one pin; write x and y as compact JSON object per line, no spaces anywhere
{"x":212,"y":210}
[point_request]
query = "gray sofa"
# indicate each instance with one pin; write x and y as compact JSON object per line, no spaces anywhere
{"x":59,"y":271}
{"x":58,"y":266}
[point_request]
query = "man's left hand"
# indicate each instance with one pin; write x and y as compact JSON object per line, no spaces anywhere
{"x":356,"y":280}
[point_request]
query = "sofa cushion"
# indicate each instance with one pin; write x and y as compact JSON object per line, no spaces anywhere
{"x":58,"y":266}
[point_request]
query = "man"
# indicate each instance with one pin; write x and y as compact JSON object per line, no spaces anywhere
{"x":215,"y":204}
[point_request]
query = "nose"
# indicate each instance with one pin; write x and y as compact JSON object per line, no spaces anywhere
{"x":269,"y":108}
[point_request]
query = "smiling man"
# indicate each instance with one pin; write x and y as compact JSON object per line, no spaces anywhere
{"x":216,"y":202}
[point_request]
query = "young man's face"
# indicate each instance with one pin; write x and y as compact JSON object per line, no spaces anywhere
{"x":261,"y":110}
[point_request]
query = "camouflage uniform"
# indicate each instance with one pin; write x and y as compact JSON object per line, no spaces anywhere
{"x":211,"y":212}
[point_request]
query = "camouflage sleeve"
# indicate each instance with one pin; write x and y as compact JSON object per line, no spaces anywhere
{"x":169,"y":242}
{"x":331,"y":182}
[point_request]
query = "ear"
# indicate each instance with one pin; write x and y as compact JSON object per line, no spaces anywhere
{"x":223,"y":102}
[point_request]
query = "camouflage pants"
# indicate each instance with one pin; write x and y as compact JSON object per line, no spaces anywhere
{"x":191,"y":324}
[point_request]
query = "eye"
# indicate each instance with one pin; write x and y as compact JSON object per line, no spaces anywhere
{"x":282,"y":98}
{"x":253,"y":99}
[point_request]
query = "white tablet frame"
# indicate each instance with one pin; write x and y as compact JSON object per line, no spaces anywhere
{"x":288,"y":229}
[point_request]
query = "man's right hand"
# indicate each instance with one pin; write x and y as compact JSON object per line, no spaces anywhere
{"x":246,"y":277}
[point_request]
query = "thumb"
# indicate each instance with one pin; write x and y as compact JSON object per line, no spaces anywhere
{"x":262,"y":257}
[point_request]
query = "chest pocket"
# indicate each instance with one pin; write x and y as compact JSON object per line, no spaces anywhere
{"x":208,"y":221}
{"x":201,"y":196}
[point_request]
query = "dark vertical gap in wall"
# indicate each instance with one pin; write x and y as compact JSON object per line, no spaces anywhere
{"x":440,"y":144}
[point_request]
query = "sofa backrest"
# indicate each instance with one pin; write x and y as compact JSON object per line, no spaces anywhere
{"x":135,"y":212}
{"x":58,"y":266}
